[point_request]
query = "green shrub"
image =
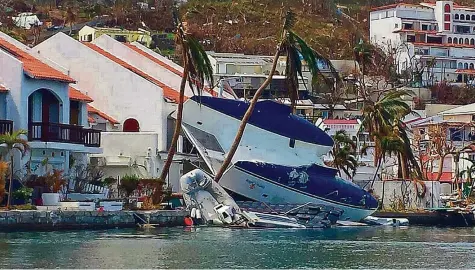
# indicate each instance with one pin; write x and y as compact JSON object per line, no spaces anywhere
{"x":128,"y":184}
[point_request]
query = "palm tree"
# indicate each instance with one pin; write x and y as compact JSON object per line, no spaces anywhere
{"x":13,"y":141}
{"x":71,"y":19}
{"x":196,"y":70}
{"x":364,"y":56}
{"x":296,"y":50}
{"x":343,"y":153}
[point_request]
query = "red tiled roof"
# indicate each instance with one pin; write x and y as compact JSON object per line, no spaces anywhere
{"x":465,"y":71}
{"x":75,"y":94}
{"x":34,"y":67}
{"x":395,"y":6}
{"x":93,"y":110}
{"x":165,"y":65}
{"x":168,"y":92}
{"x":340,"y":121}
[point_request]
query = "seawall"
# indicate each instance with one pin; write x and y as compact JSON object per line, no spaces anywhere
{"x":29,"y":220}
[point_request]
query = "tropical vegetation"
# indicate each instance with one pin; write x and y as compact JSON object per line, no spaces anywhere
{"x":296,"y":51}
{"x":344,"y":154}
{"x":197,"y":71}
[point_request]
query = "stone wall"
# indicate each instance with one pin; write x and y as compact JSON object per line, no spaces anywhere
{"x":58,"y":220}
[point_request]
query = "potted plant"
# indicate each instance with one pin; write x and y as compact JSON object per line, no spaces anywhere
{"x":54,"y":183}
{"x":128,"y":184}
{"x":22,"y":195}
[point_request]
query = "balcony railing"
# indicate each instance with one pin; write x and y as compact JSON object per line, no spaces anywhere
{"x":54,"y":132}
{"x":6,"y":126}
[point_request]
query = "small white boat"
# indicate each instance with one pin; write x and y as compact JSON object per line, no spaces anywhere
{"x":209,"y":203}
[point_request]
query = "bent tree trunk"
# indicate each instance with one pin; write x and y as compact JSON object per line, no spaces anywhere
{"x":11,"y":183}
{"x":176,"y":134}
{"x":245,"y":119}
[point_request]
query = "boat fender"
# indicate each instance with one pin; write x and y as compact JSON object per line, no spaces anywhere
{"x":198,"y":214}
{"x":188,"y":221}
{"x":193,"y":212}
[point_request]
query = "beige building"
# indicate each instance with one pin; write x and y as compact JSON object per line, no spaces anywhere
{"x":89,"y":34}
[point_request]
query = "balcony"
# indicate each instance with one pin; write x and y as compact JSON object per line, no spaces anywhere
{"x":63,"y":133}
{"x":6,"y":126}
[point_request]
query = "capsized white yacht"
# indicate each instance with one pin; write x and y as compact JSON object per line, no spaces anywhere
{"x":279,"y":159}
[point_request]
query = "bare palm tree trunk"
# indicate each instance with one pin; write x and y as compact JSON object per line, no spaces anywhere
{"x":246,"y":117}
{"x":11,"y":183}
{"x":176,"y":135}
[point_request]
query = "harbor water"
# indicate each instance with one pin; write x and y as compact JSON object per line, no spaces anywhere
{"x":356,"y":247}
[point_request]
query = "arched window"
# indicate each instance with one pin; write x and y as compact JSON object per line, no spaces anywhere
{"x":455,"y":40}
{"x":471,"y":66}
{"x":467,"y":41}
{"x":472,"y":41}
{"x":449,"y":40}
{"x":462,"y":17}
{"x":467,"y":17}
{"x":447,"y":8}
{"x":131,"y":125}
{"x":465,"y":66}
{"x":459,"y":65}
{"x":456,"y":17}
{"x":473,"y":17}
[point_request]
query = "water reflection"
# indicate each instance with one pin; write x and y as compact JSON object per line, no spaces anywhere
{"x":369,"y":247}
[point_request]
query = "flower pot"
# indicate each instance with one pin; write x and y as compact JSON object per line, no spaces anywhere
{"x":50,"y":199}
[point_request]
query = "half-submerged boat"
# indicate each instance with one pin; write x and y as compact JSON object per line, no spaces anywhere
{"x":279,"y":159}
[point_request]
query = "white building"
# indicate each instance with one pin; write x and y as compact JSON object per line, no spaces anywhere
{"x":26,"y":20}
{"x":39,"y":98}
{"x":134,"y":92}
{"x":443,"y":31}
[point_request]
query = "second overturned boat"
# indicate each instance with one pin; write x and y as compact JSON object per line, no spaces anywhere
{"x":279,"y":159}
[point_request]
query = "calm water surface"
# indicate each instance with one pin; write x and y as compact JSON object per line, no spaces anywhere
{"x":370,"y":247}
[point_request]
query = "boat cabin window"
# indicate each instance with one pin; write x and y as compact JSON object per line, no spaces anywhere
{"x":292,"y":143}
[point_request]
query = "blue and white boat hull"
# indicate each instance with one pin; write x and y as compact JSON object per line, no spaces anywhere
{"x":248,"y":179}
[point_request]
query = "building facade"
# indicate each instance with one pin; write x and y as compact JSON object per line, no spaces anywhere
{"x":436,"y":37}
{"x":42,"y":100}
{"x":88,"y":33}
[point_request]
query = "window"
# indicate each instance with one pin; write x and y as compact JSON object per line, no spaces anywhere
{"x":449,"y":40}
{"x":472,"y":41}
{"x":465,"y":66}
{"x":396,"y":25}
{"x":473,"y":17}
{"x":447,"y":17}
{"x":462,"y":17}
{"x":467,"y":17}
{"x":408,"y":26}
{"x":453,"y":65}
{"x":460,"y":66}
{"x":467,"y":41}
{"x":411,"y":38}
{"x":447,"y":26}
{"x":447,"y":8}
{"x":425,"y":27}
{"x":462,"y":29}
{"x":455,"y":40}
{"x":471,"y":66}
{"x":131,"y":125}
{"x":292,"y":143}
{"x":456,"y":17}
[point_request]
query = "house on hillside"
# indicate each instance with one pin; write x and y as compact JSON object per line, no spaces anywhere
{"x":442,"y":31}
{"x":134,"y":93}
{"x":26,"y":20}
{"x":41,"y":99}
{"x":88,"y":34}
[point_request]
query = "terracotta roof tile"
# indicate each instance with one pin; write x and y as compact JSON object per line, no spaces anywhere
{"x":75,"y":94}
{"x":168,"y":92}
{"x":340,"y":121}
{"x":34,"y":67}
{"x":465,"y":71}
{"x":93,"y":110}
{"x":165,"y":65}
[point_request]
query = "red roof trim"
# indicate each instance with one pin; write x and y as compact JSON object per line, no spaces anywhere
{"x":340,"y":121}
{"x":168,"y":92}
{"x":32,"y":66}
{"x":465,"y":71}
{"x":416,"y":31}
{"x":165,"y":65}
{"x":396,"y":5}
{"x":75,"y":94}
{"x":93,"y":110}
{"x":443,"y":45}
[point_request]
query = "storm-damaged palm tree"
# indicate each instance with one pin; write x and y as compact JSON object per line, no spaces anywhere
{"x":296,"y":50}
{"x":344,"y":154}
{"x":197,"y":70}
